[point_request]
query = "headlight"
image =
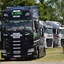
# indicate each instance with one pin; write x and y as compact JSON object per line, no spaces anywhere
{"x":5,"y":34}
{"x":27,"y":34}
{"x":4,"y":54}
{"x":4,"y":51}
{"x":31,"y":50}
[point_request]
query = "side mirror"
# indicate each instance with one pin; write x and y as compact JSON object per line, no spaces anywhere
{"x":36,"y":24}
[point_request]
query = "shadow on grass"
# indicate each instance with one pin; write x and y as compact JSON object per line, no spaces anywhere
{"x":23,"y":59}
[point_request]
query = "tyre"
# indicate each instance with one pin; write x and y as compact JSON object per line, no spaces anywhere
{"x":53,"y":44}
{"x":37,"y":54}
{"x":44,"y":51}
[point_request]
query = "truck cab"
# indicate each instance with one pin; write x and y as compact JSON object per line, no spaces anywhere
{"x":61,"y":36}
{"x":58,"y":33}
{"x":20,"y":34}
{"x":47,"y":34}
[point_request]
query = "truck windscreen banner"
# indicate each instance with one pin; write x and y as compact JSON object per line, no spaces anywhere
{"x":17,"y":14}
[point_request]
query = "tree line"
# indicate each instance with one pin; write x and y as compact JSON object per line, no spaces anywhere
{"x":48,"y":10}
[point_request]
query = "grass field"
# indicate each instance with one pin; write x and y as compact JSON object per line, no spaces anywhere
{"x":52,"y":55}
{"x":0,"y":56}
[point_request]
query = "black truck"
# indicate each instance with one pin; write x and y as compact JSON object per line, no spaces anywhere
{"x":21,"y":37}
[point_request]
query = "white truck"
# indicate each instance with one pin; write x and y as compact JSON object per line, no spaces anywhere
{"x":61,"y":36}
{"x":58,"y":33}
{"x":47,"y":34}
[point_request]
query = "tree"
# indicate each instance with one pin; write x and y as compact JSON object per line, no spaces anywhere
{"x":30,"y":2}
{"x":41,"y":1}
{"x":53,"y":10}
{"x":17,"y":3}
{"x":62,"y":10}
{"x":44,"y":10}
{"x":48,"y":10}
{"x":1,"y":3}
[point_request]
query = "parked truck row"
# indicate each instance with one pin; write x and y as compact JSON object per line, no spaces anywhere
{"x":53,"y":33}
{"x":20,"y":35}
{"x":47,"y":34}
{"x":23,"y":35}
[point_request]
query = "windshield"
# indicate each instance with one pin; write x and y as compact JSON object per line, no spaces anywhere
{"x":18,"y":25}
{"x":61,"y":31}
{"x":48,"y":31}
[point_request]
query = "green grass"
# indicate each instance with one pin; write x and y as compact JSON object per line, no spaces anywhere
{"x":0,"y":56}
{"x":52,"y":55}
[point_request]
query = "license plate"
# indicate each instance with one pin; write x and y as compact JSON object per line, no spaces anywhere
{"x":16,"y":44}
{"x":16,"y":48}
{"x":16,"y":41}
{"x":16,"y":52}
{"x":16,"y":56}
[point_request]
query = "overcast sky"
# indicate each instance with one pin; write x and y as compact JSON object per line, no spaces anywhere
{"x":37,"y":1}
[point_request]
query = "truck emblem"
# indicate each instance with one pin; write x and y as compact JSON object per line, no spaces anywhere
{"x":16,"y":35}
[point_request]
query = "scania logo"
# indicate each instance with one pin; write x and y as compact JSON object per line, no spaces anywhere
{"x":16,"y":35}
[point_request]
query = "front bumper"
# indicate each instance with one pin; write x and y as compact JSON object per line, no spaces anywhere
{"x":49,"y":42}
{"x":22,"y":54}
{"x":29,"y":55}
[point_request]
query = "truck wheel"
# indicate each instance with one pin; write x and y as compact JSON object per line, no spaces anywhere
{"x":53,"y":44}
{"x":37,"y":54}
{"x":44,"y":51}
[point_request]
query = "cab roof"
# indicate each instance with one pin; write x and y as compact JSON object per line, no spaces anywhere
{"x":22,"y":7}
